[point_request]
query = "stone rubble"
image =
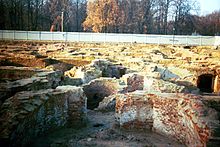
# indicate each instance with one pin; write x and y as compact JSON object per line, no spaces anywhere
{"x":158,"y":85}
{"x":85,"y":73}
{"x":134,"y":81}
{"x":98,"y":68}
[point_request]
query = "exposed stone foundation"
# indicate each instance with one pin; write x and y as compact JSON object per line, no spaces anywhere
{"x":29,"y":114}
{"x":41,"y":80}
{"x":16,"y":73}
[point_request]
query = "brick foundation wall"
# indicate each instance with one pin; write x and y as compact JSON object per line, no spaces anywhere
{"x":180,"y":116}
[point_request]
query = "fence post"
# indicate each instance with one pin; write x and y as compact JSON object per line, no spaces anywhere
{"x":40,"y":35}
{"x":2,"y":34}
{"x":158,"y":42}
{"x":187,"y":40}
{"x":173,"y":39}
{"x":52,"y":35}
{"x":200,"y":40}
{"x":119,"y":37}
{"x":146,"y":39}
{"x":63,"y":39}
{"x":132,"y":38}
{"x":78,"y":37}
{"x":66,"y":37}
{"x":27,"y":34}
{"x":14,"y":35}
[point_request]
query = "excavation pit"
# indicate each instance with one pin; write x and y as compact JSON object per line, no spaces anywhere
{"x":129,"y":71}
{"x":97,"y":89}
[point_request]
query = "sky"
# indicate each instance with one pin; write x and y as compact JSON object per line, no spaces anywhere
{"x":208,"y":6}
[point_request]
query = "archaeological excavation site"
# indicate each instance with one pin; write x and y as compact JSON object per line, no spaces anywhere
{"x":63,"y":94}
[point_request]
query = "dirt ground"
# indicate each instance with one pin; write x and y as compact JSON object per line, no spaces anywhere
{"x":101,"y":131}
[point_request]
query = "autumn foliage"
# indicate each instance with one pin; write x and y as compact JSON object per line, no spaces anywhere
{"x":100,"y":14}
{"x":109,"y":16}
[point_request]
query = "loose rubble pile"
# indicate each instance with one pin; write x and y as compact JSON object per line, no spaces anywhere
{"x":167,"y":90}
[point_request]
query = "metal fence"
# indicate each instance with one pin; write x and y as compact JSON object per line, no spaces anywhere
{"x":109,"y":37}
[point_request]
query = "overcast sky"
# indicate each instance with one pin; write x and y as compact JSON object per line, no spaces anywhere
{"x":208,"y":6}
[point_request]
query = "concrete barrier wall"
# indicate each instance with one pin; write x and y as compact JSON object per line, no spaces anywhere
{"x":109,"y":37}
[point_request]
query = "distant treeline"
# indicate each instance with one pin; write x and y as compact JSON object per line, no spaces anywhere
{"x":118,"y":16}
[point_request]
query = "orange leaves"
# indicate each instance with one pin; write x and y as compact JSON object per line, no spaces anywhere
{"x":101,"y":15}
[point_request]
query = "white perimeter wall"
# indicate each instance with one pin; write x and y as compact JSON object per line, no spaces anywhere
{"x":109,"y":37}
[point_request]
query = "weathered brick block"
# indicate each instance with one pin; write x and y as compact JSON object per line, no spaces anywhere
{"x":181,"y":116}
{"x":134,"y":109}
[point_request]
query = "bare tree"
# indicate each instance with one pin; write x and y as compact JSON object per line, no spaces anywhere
{"x":181,"y":10}
{"x":125,"y":16}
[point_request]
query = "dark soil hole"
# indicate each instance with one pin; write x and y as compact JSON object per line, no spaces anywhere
{"x":94,"y":98}
{"x":205,"y":83}
{"x":98,"y":125}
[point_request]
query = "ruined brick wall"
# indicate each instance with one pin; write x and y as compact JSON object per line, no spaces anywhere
{"x":134,"y":111}
{"x":180,"y":116}
{"x":77,"y":103}
{"x":29,"y":114}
